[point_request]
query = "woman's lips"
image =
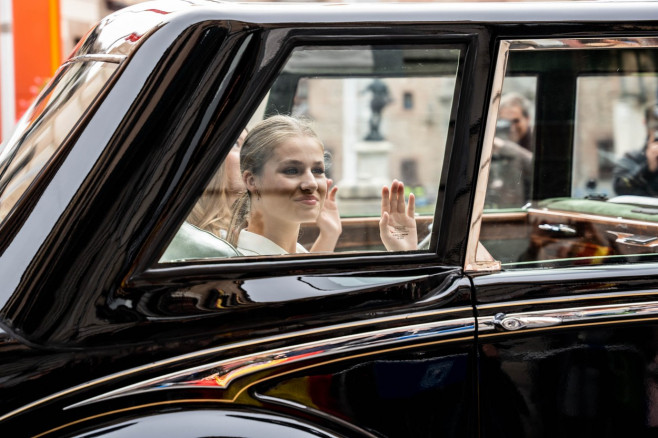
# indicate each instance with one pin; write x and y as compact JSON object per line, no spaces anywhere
{"x":308,"y":200}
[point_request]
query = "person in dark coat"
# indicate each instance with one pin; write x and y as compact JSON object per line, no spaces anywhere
{"x":636,"y":173}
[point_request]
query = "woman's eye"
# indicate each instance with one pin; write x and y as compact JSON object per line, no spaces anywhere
{"x":318,"y":170}
{"x":290,"y":171}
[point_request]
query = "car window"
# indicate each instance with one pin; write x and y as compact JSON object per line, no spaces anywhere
{"x":583,"y":190}
{"x":44,"y":127}
{"x":368,"y":115}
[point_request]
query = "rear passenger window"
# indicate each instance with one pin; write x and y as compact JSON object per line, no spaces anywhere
{"x":581,"y":188}
{"x":307,"y":174}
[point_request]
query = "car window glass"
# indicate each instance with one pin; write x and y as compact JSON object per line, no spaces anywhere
{"x":586,"y":191}
{"x":42,"y":130}
{"x":370,"y":115}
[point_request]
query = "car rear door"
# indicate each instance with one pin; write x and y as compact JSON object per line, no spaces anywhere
{"x":565,"y":273}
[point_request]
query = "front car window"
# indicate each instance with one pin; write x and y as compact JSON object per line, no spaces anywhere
{"x":586,"y":191}
{"x":379,"y":114}
{"x":44,"y":127}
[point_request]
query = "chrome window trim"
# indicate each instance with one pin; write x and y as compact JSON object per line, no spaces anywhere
{"x":582,"y":43}
{"x":471,"y":263}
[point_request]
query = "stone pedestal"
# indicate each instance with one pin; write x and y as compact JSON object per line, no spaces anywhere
{"x":360,"y":194}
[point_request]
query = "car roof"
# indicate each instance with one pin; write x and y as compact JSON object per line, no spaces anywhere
{"x":492,"y":12}
{"x":485,"y":12}
{"x":125,"y":29}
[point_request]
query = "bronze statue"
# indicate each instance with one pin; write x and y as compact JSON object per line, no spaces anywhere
{"x":380,"y":98}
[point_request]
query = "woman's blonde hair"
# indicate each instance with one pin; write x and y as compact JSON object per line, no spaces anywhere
{"x":212,"y":211}
{"x":257,"y":149}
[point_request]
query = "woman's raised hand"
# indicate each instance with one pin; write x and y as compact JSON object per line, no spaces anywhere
{"x":328,"y":222}
{"x":397,"y":226}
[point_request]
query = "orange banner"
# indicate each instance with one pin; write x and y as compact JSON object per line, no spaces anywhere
{"x":37,"y":47}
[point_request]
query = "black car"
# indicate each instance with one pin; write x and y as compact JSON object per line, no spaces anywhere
{"x":527,"y":307}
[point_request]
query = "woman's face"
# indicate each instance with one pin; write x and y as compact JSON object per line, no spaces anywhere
{"x":292,"y":185}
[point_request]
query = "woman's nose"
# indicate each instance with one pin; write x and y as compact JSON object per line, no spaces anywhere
{"x":309,"y":182}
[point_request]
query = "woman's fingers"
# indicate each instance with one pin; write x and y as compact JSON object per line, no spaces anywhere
{"x":329,"y":188}
{"x":400,"y":197}
{"x":393,"y":200}
{"x":411,"y":207}
{"x":386,"y":201}
{"x":331,"y":194}
{"x":396,"y":197}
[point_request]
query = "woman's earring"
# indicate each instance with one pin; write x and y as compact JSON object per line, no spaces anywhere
{"x":257,"y":194}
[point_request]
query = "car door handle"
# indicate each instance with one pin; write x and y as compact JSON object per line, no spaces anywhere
{"x":512,"y":322}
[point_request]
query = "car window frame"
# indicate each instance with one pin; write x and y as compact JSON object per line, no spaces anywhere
{"x":322,"y":262}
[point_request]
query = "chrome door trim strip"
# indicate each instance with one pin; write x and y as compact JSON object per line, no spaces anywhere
{"x":220,"y":374}
{"x":521,"y":321}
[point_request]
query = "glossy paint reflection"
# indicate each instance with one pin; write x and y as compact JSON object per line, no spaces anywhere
{"x":412,"y":393}
{"x":121,"y":32}
{"x":575,"y":383}
{"x":591,"y":374}
{"x":214,"y":296}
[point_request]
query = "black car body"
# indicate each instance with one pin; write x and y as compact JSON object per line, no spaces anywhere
{"x":534,"y":318}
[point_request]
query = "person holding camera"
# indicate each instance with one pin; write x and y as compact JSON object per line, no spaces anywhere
{"x":636,"y":173}
{"x":510,"y":172}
